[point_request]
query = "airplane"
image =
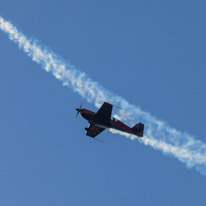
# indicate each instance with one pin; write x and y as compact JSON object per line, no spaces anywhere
{"x":102,"y":120}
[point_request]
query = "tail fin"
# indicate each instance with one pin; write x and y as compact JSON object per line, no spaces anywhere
{"x":139,"y":128}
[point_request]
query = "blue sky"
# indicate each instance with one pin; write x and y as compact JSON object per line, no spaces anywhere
{"x":149,"y":52}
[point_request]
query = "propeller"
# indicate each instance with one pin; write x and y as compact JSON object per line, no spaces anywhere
{"x":79,"y":110}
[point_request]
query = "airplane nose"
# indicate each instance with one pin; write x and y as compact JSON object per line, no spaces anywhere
{"x":78,"y":111}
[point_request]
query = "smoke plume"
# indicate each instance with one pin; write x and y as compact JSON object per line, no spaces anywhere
{"x":158,"y":134}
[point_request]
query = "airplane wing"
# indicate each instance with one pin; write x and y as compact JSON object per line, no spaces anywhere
{"x":103,"y":115}
{"x":93,"y":131}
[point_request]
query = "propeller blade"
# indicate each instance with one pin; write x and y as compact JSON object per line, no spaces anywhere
{"x":78,"y":110}
{"x":77,"y":114}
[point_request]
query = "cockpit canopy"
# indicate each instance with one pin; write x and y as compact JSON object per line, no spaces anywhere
{"x":114,"y":119}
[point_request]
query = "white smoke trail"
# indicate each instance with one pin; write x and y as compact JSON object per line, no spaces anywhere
{"x":158,"y":134}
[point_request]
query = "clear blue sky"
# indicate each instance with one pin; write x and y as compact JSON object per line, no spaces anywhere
{"x":150,"y":52}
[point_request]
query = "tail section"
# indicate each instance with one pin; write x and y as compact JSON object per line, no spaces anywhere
{"x":139,"y":129}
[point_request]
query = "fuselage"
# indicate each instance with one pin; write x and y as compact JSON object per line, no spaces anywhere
{"x":114,"y":123}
